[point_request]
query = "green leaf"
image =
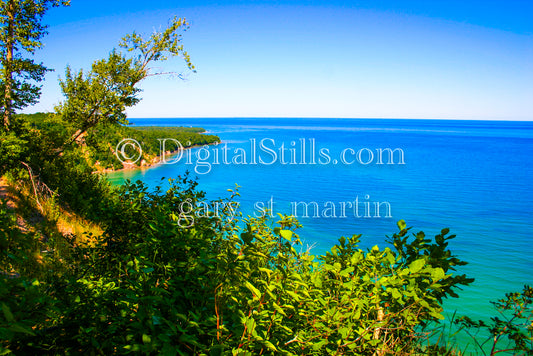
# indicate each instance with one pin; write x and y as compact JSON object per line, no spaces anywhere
{"x":147,"y":339}
{"x":437,"y":274}
{"x":401,"y":224}
{"x":286,"y":234}
{"x":20,"y":329}
{"x":344,"y":332}
{"x":346,"y":272}
{"x":357,"y":314}
{"x":437,"y":315}
{"x":279,"y":309}
{"x":395,"y":293}
{"x":417,"y":265}
{"x":265,"y":270}
{"x":424,"y":303}
{"x":293,"y":295}
{"x":256,"y":293}
{"x":269,"y":345}
{"x":318,"y":345}
{"x":7,"y":313}
{"x":246,"y":237}
{"x":391,"y":259}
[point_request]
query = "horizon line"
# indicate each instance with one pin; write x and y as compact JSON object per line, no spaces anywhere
{"x":326,"y":118}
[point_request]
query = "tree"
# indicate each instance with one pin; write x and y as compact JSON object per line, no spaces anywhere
{"x":103,"y":94}
{"x":20,"y":35}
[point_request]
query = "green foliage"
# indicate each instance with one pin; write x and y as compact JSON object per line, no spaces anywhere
{"x":102,"y":95}
{"x":23,"y":304}
{"x":12,"y":148}
{"x":23,"y":301}
{"x":21,"y":31}
{"x":174,"y":273}
{"x":513,"y":327}
{"x":159,"y":47}
{"x":434,"y":255}
{"x":77,"y":188}
{"x":69,"y":175}
{"x":8,"y":237}
{"x":98,"y":147}
{"x":28,"y":30}
{"x":101,"y":142}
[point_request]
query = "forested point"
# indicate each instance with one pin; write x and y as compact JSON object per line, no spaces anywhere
{"x":100,"y":144}
{"x":94,"y":269}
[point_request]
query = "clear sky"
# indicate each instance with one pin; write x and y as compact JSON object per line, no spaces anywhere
{"x":363,"y":59}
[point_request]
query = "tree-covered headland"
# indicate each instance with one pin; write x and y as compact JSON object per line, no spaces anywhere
{"x":87,"y":268}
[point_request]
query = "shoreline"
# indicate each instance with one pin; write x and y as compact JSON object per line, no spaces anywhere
{"x":156,"y":161}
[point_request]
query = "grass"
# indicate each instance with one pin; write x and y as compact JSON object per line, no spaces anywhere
{"x":43,"y":229}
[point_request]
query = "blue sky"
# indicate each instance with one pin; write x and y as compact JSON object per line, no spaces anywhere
{"x":362,"y":59}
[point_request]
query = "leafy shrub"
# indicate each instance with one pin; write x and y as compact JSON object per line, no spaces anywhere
{"x":24,"y":302}
{"x":176,"y":274}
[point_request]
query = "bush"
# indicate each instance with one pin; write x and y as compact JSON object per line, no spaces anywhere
{"x":176,"y":274}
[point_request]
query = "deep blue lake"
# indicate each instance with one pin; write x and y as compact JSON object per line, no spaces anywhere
{"x":473,"y":177}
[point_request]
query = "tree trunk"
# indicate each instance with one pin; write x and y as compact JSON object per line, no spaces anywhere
{"x":8,"y":64}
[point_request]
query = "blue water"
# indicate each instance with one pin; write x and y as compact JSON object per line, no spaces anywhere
{"x":471,"y":176}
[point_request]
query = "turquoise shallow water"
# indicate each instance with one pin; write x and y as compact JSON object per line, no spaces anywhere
{"x":471,"y":176}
